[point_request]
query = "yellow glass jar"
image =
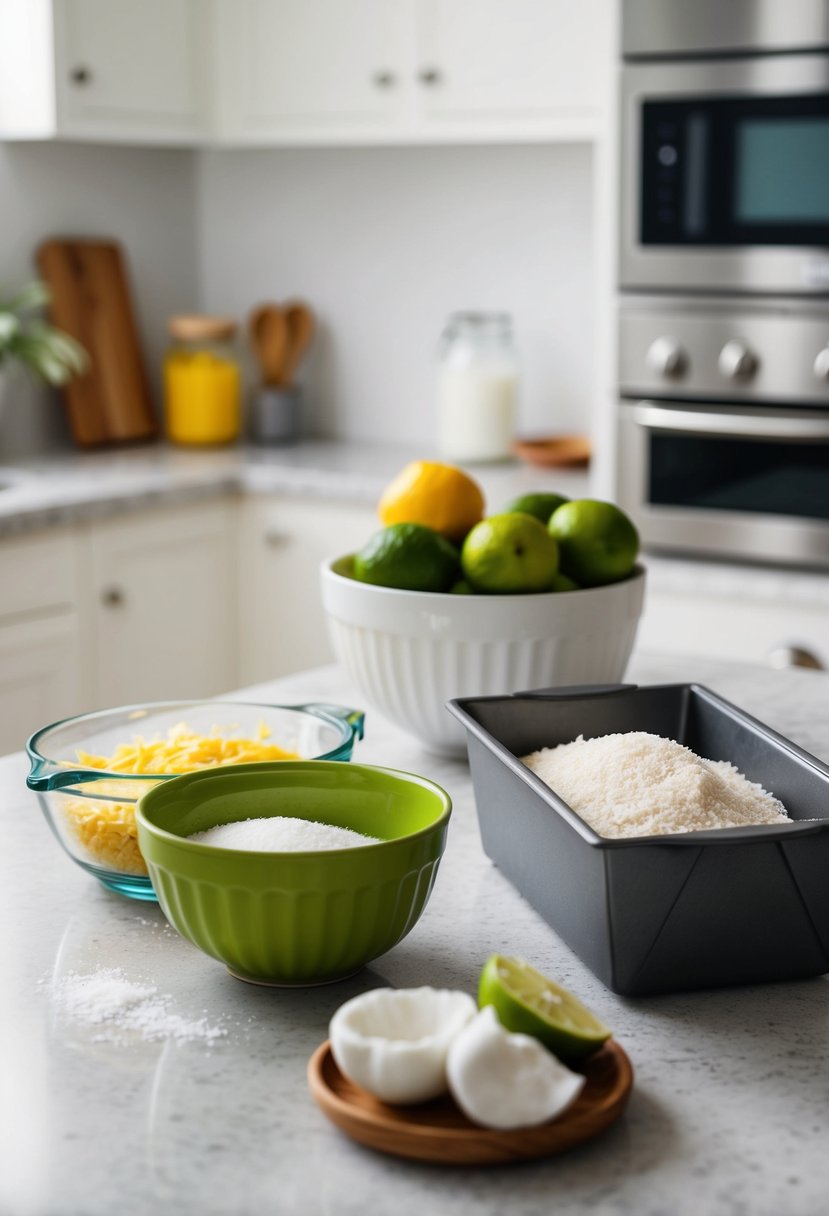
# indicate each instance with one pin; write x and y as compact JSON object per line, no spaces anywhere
{"x":202,"y":381}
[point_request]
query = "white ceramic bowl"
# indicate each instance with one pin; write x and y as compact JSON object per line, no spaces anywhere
{"x":409,"y":652}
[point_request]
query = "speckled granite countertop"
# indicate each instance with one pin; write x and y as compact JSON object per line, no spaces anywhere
{"x":70,"y":487}
{"x":727,"y":1115}
{"x":62,"y":489}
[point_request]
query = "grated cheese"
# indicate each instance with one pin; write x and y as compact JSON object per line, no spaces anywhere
{"x":639,"y":784}
{"x":106,"y":829}
{"x":185,"y":751}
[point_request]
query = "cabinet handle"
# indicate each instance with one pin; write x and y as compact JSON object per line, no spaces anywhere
{"x":277,"y":540}
{"x":383,"y":80}
{"x":794,"y":656}
{"x":430,"y":77}
{"x":113,"y":597}
{"x":81,"y":75}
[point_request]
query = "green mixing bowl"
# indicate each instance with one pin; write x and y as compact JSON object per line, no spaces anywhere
{"x":295,"y":918}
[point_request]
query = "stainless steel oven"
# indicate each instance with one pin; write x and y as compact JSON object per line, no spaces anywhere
{"x":723,"y":304}
{"x":724,"y":426}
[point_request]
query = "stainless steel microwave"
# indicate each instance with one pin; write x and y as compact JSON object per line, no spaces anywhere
{"x":725,"y":174}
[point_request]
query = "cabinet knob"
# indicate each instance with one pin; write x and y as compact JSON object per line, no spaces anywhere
{"x":113,"y":597}
{"x":822,"y":364}
{"x":794,"y":656}
{"x":383,"y":80}
{"x":429,"y":76}
{"x":737,"y":361}
{"x":666,"y":357}
{"x":80,"y":75}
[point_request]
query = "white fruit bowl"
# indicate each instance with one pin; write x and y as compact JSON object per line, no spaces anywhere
{"x":409,"y":652}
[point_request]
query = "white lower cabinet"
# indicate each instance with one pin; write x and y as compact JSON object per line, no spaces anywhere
{"x":284,"y":541}
{"x":40,"y":675}
{"x":140,"y":608}
{"x":159,"y":605}
{"x":776,"y":633}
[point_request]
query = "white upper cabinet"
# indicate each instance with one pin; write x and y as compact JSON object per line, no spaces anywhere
{"x":501,"y":66}
{"x":291,"y":71}
{"x":127,"y":71}
{"x":304,"y":72}
{"x":411,"y":71}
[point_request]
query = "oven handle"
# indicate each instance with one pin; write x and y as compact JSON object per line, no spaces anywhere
{"x":721,"y":422}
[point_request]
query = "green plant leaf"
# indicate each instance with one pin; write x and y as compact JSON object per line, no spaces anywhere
{"x":9,"y":326}
{"x":49,"y":353}
{"x":33,"y":295}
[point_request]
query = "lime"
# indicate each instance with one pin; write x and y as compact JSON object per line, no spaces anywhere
{"x":597,"y":542}
{"x":507,"y":554}
{"x":410,"y":557}
{"x":562,"y":583}
{"x":528,"y":1003}
{"x":461,"y":587}
{"x":540,"y":505}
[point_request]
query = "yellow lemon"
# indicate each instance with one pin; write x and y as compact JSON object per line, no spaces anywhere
{"x":439,"y":496}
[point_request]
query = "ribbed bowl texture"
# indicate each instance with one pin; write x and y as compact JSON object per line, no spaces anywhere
{"x":295,"y":918}
{"x":410,"y":652}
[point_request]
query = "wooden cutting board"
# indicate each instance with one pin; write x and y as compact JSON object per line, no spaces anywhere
{"x":111,"y":402}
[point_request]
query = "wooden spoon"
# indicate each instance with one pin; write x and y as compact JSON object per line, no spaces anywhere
{"x":301,"y":327}
{"x":270,"y":339}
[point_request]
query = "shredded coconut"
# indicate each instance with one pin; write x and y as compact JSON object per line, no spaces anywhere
{"x":281,"y":834}
{"x":639,"y":784}
{"x":122,"y":1009}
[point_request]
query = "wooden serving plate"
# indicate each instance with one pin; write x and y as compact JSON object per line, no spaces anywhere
{"x":555,"y":451}
{"x":440,"y":1133}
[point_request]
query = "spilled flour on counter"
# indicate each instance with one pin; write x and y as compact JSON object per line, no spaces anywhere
{"x":639,"y":784}
{"x":123,"y":1010}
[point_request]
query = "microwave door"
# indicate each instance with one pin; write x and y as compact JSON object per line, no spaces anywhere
{"x":734,"y":481}
{"x":724,"y":179}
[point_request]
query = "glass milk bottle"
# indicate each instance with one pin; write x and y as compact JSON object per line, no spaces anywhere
{"x":477,"y":387}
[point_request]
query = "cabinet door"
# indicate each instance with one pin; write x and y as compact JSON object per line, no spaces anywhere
{"x":732,"y":629}
{"x":40,"y":676}
{"x":162,"y":611}
{"x":131,"y":70}
{"x":507,"y":65}
{"x":284,"y":541}
{"x":303,"y":72}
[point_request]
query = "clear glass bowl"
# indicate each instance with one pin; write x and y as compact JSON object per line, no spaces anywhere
{"x":92,"y":810}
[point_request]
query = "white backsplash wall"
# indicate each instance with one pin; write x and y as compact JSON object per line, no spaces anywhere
{"x":384,"y":243}
{"x":143,"y":198}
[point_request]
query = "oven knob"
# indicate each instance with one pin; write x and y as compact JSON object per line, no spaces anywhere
{"x":737,"y":361}
{"x":666,"y":357}
{"x":822,"y":364}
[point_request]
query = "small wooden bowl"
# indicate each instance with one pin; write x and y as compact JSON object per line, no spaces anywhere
{"x":439,"y":1132}
{"x":554,"y":451}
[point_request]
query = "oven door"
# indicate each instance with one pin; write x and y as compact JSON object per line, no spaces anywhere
{"x":740,"y":481}
{"x":724,"y":175}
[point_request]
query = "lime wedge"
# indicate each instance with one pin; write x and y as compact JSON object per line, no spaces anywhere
{"x":528,"y":1002}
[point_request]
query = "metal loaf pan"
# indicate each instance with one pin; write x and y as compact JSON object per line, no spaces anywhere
{"x":658,"y":913}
